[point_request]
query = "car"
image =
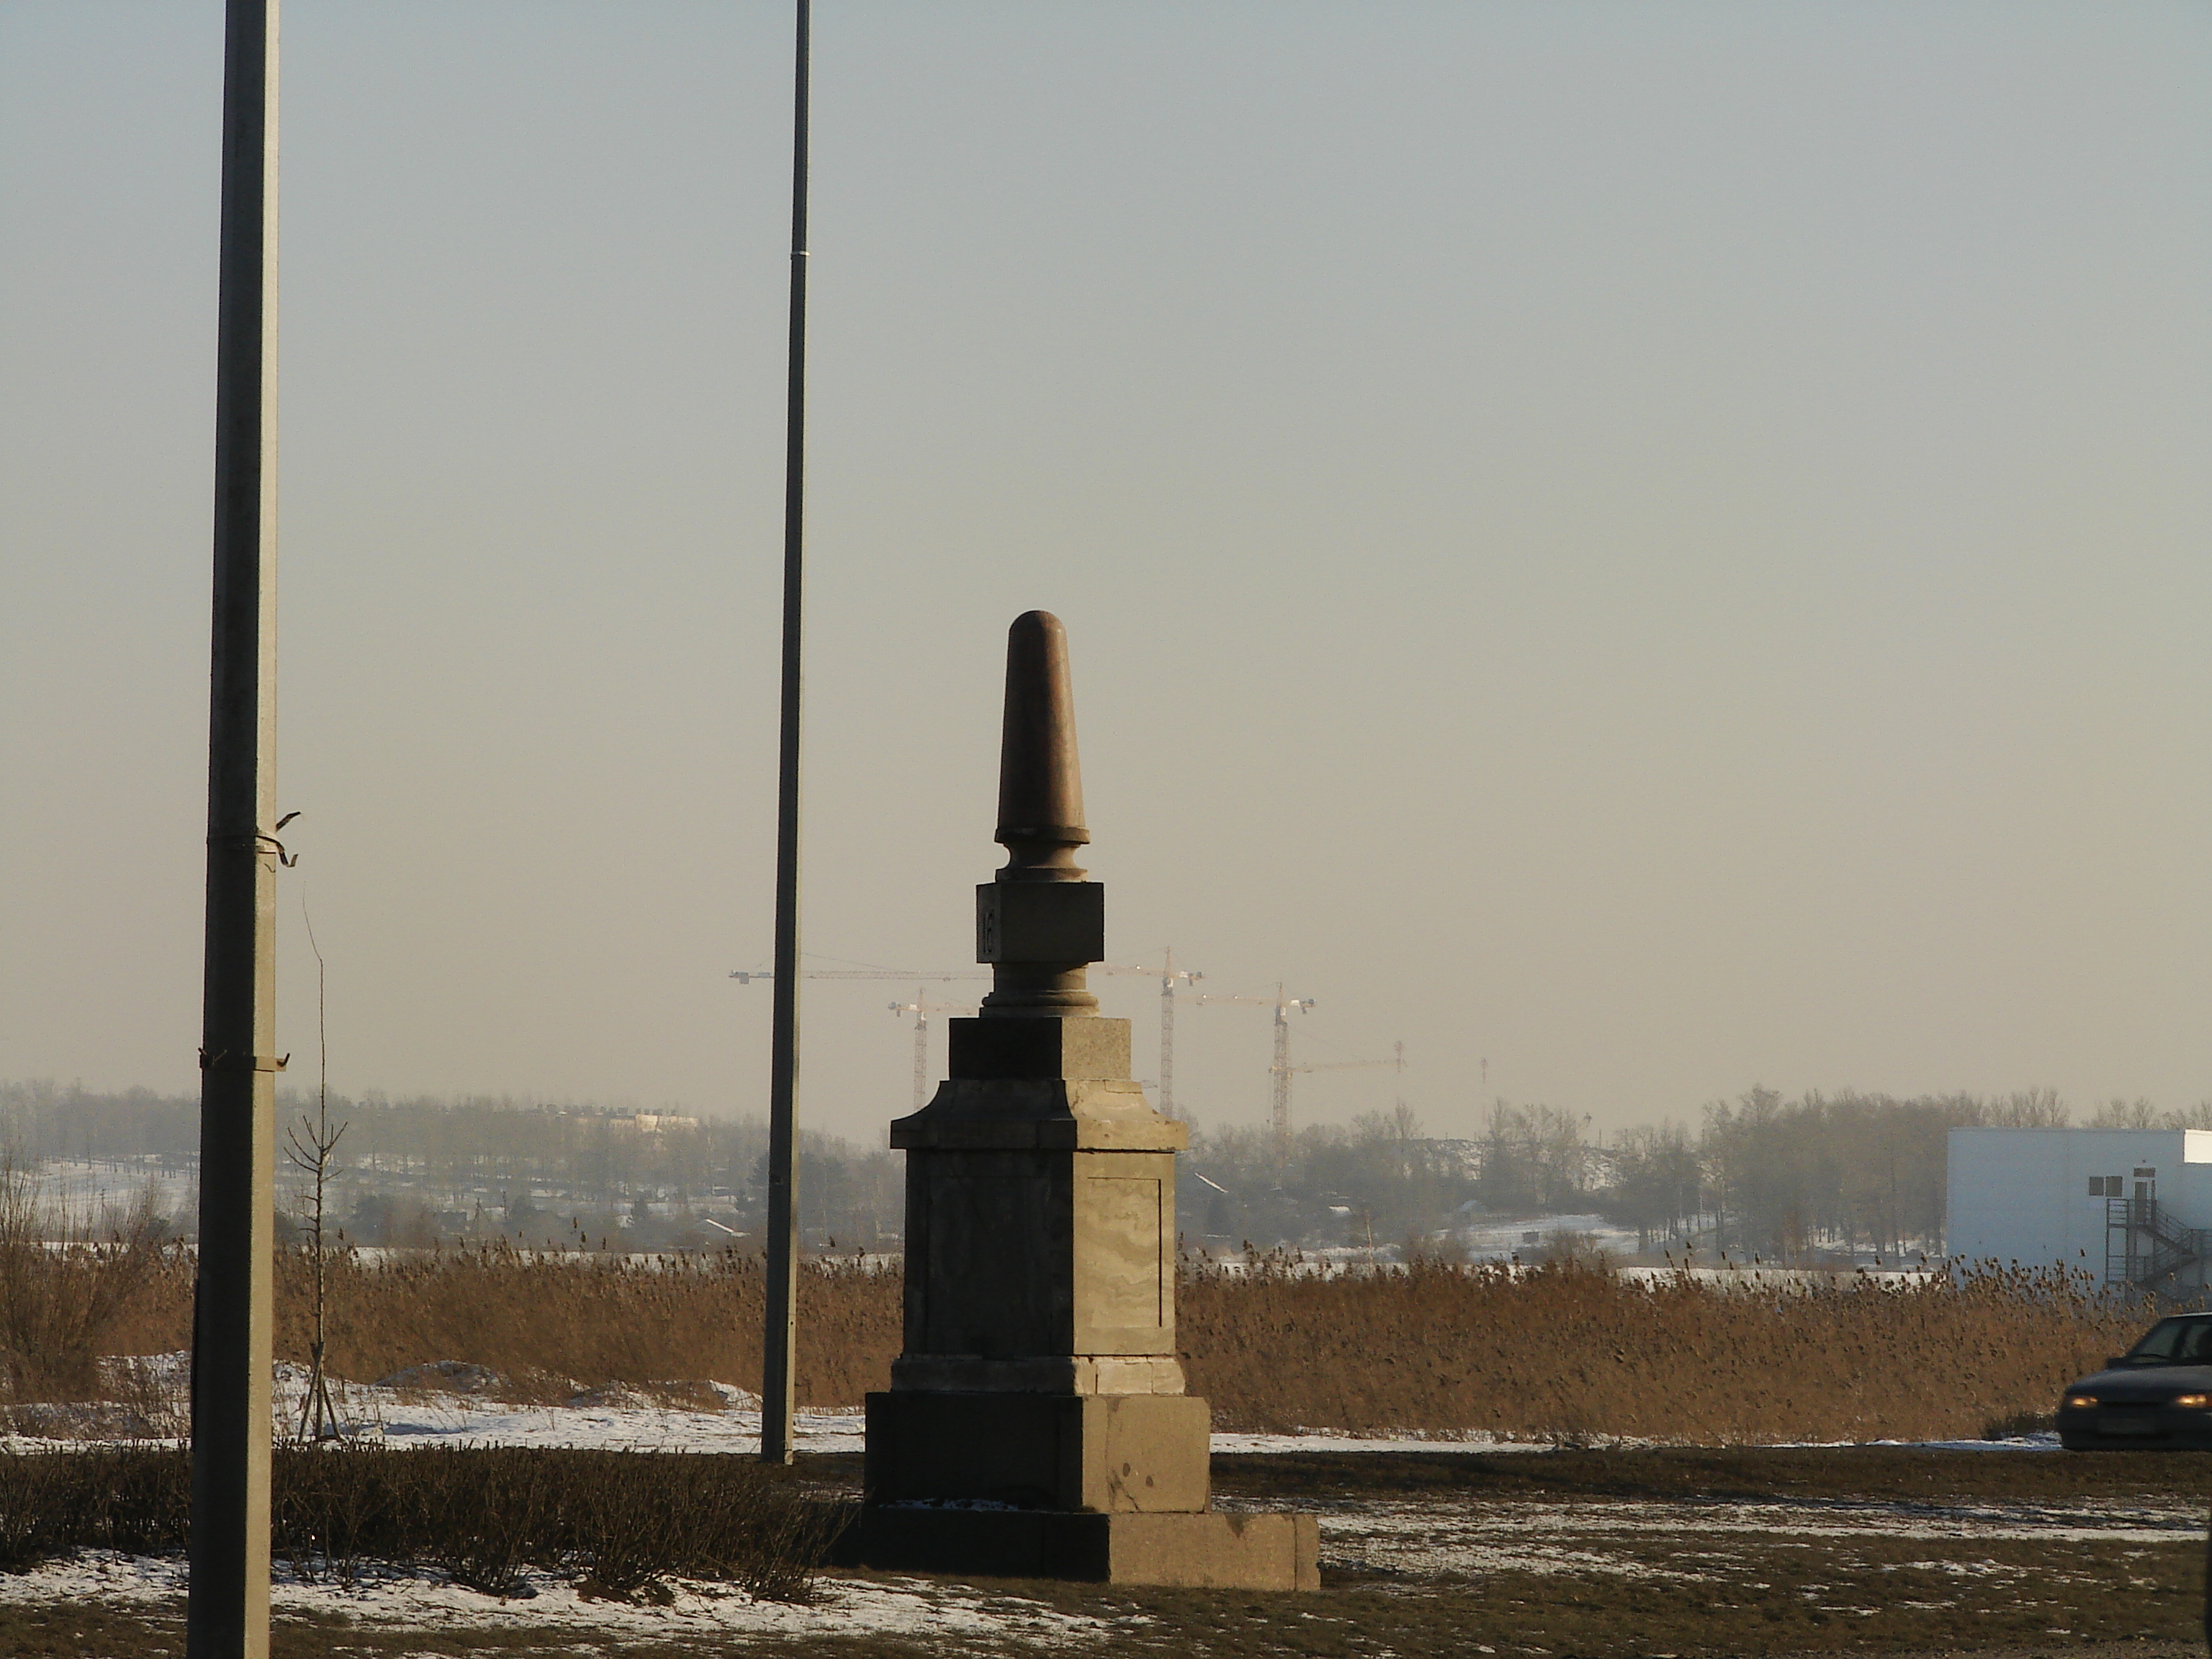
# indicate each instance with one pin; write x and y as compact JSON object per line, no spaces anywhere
{"x":2157,"y":1395}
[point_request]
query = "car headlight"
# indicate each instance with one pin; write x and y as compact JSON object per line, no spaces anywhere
{"x":2196,"y":1402}
{"x":2081,"y":1402}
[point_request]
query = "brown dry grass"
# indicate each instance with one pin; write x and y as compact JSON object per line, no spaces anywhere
{"x":1560,"y":1353}
{"x":597,"y":1320}
{"x":1568,"y":1352}
{"x":70,"y":1292}
{"x":550,"y":1324}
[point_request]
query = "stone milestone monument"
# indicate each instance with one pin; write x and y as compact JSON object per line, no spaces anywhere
{"x":1036,"y":1423}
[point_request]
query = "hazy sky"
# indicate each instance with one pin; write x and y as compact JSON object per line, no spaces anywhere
{"x":1662,"y":546}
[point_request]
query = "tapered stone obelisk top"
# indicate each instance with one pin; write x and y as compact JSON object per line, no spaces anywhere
{"x":1040,"y":778}
{"x":1037,"y":920}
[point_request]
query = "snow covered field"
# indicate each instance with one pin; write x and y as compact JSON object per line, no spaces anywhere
{"x":1615,"y":1537}
{"x":91,"y":1190}
{"x":449,"y":1404}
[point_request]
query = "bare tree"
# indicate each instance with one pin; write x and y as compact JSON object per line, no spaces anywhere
{"x":2117,"y":1113}
{"x":2029,"y":1109}
{"x":310,"y":1143}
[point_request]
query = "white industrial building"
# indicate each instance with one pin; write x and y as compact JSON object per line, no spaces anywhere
{"x":2130,"y":1205}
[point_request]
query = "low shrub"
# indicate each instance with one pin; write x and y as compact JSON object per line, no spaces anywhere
{"x":53,"y":1503}
{"x":622,"y":1521}
{"x":332,"y":1507}
{"x":487,"y":1515}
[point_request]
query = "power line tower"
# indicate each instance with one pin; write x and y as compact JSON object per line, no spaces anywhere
{"x":921,"y":1008}
{"x":1281,"y":1070}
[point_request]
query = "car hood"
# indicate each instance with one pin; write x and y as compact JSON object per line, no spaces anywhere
{"x":2145,"y":1383}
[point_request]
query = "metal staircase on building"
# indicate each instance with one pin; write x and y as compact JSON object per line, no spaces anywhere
{"x":2144,"y":1245}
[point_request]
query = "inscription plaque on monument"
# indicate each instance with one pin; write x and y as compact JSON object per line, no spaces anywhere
{"x":1036,"y":1423}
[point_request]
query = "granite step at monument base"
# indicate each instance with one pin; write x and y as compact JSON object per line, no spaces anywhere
{"x":1209,"y":1549}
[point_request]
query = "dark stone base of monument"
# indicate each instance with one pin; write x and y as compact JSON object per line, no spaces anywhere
{"x":1114,"y":1453}
{"x":1209,"y":1550}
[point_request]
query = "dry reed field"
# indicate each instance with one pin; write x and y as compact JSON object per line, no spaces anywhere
{"x":548,"y":1324}
{"x":1571,"y":1352}
{"x":1562,"y":1353}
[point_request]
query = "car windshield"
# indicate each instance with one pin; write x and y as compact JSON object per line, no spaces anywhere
{"x":2176,"y":1341}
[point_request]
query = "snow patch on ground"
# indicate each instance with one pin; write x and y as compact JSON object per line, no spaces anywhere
{"x":1336,"y":1440}
{"x":396,"y":1599}
{"x":447,"y":1403}
{"x":450,"y":1403}
{"x":617,"y":1423}
{"x":1460,"y":1539}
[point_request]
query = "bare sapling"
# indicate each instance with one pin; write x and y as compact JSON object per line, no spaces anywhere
{"x":311,"y":1144}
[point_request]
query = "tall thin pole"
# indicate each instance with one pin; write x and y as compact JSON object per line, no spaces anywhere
{"x":778,"y":1396}
{"x":227,"y":1612}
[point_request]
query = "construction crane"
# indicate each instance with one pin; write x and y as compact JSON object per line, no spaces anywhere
{"x":747,"y":976}
{"x":1170,"y":976}
{"x":1281,"y":1070}
{"x":1397,"y":1060}
{"x":921,"y":1008}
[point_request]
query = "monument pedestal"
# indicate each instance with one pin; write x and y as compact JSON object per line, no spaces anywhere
{"x":1036,"y":1425}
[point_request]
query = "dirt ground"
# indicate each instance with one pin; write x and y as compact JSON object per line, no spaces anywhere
{"x":1643,"y":1555}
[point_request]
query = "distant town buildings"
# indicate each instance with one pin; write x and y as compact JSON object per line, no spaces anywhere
{"x":649,"y":1123}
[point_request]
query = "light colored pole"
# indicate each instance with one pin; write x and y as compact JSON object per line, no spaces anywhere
{"x":226,"y":1611}
{"x":778,"y":1395}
